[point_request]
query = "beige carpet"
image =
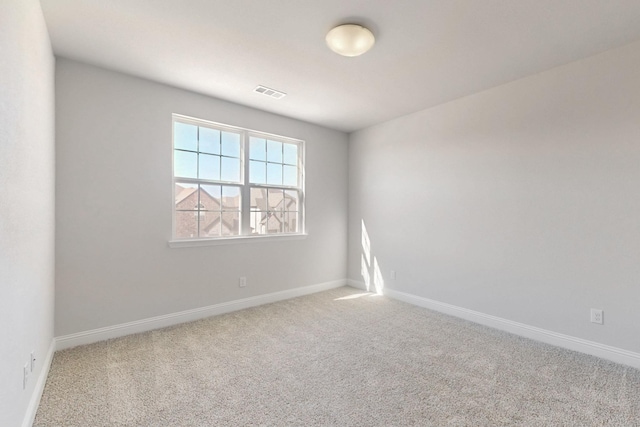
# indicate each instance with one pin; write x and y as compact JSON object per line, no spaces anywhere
{"x":337,"y":358}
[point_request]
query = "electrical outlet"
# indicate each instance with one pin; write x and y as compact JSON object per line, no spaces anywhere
{"x":597,"y":316}
{"x":25,"y":375}
{"x":393,"y":275}
{"x":243,"y":282}
{"x":33,"y":361}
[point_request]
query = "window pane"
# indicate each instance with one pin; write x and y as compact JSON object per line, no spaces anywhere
{"x":216,"y":168}
{"x":274,"y":174}
{"x":186,"y":196}
{"x":290,"y":200}
{"x":230,"y":169}
{"x":290,"y":222}
{"x":258,"y":222}
{"x":210,"y":224}
{"x":257,"y":148}
{"x":185,"y":164}
{"x":209,"y":140}
{"x":259,"y":199}
{"x":274,"y":223}
{"x":257,"y":172}
{"x":210,"y":197}
{"x":230,"y":223}
{"x":209,"y":167}
{"x":290,"y":175}
{"x":275,"y":199}
{"x":290,"y":152}
{"x":231,"y":198}
{"x":185,"y":136}
{"x":186,"y":224}
{"x":230,"y":144}
{"x":274,"y":151}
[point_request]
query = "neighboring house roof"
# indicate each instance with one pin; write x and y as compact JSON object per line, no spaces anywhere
{"x":187,"y":199}
{"x":228,"y":222}
{"x":183,"y":192}
{"x":278,"y":200}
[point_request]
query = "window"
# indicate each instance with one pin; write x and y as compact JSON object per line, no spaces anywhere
{"x":232,"y":182}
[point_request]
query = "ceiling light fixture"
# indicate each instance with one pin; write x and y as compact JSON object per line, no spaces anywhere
{"x":350,"y":39}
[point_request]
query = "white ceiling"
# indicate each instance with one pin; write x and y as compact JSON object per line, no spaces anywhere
{"x":427,"y":51}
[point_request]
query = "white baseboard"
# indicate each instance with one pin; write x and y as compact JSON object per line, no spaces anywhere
{"x":34,"y":402}
{"x":101,"y":334}
{"x":603,"y":351}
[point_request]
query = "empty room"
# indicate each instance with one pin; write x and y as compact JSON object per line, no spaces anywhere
{"x":319,"y":213}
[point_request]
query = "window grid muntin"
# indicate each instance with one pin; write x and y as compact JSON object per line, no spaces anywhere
{"x":245,"y":213}
{"x":282,"y":164}
{"x":201,"y":208}
{"x":218,"y":156}
{"x":268,"y":211}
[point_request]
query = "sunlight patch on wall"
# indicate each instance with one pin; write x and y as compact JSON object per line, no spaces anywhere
{"x":378,"y":280}
{"x":364,"y":271}
{"x":366,"y":244}
{"x":365,"y":265}
{"x":366,"y":257}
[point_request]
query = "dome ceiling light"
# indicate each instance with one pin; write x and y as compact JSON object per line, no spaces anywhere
{"x":350,"y":39}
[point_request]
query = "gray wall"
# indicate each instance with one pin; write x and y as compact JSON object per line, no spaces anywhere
{"x":26,"y":201}
{"x":114,"y":201}
{"x":520,"y":202}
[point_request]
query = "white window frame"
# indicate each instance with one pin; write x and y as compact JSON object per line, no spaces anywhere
{"x":244,"y":185}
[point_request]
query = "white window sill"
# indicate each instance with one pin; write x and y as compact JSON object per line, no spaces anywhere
{"x":233,"y":240}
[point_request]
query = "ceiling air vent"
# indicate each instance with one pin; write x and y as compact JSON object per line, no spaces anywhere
{"x":270,"y":92}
